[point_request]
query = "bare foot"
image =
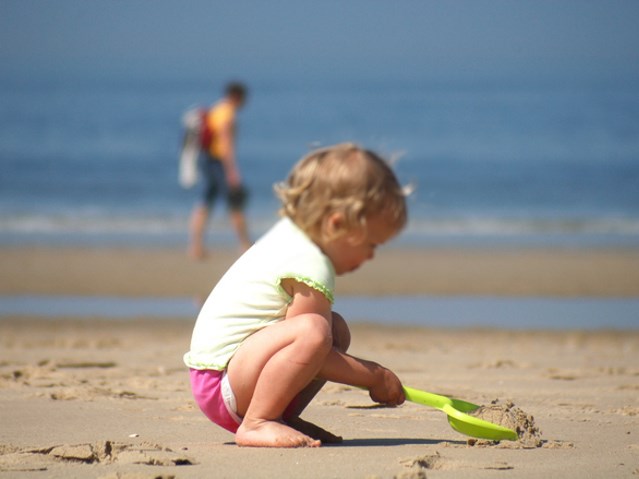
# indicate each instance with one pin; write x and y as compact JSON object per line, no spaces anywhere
{"x":197,"y":253}
{"x":313,"y":430}
{"x":272,"y":434}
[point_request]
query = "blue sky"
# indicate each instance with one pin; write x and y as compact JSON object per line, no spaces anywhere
{"x":542,"y":39}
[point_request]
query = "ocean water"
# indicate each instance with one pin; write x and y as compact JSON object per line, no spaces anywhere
{"x":91,"y":162}
{"x":513,"y":313}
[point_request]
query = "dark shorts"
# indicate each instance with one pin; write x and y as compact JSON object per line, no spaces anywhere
{"x":214,"y":183}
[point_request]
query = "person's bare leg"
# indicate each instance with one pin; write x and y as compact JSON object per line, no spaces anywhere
{"x":291,"y":416}
{"x":269,"y":370}
{"x":306,"y":427}
{"x":199,"y":219}
{"x":241,"y":229}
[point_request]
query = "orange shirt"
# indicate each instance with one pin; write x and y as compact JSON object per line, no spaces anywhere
{"x":221,"y":117}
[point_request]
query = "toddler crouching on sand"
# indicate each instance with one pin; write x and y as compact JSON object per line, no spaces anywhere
{"x":266,"y":339}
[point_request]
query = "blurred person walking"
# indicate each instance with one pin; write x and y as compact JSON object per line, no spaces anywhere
{"x":218,"y":170}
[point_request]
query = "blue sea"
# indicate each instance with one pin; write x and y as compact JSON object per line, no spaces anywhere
{"x":513,"y":313}
{"x":518,"y":164}
{"x":95,"y":162}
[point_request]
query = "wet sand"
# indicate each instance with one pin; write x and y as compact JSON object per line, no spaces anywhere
{"x":429,"y":271}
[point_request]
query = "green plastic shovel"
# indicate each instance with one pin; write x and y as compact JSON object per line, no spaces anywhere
{"x":457,"y":417}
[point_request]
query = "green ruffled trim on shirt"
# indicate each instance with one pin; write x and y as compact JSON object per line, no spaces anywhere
{"x":308,"y":282}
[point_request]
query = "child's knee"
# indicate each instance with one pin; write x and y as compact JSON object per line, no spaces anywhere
{"x":316,"y":332}
{"x":341,"y":333}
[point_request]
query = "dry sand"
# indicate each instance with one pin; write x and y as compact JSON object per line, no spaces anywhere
{"x":94,"y":399}
{"x":110,"y":398}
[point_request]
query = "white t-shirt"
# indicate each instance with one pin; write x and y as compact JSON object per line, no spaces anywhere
{"x":250,"y":296}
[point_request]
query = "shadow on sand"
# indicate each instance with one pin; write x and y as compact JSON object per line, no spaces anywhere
{"x":393,"y":441}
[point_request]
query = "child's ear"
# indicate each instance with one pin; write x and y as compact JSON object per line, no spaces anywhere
{"x":334,"y":224}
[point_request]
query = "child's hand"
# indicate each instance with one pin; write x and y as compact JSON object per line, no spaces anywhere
{"x":388,"y":389}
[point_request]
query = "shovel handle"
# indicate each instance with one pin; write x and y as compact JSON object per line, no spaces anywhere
{"x":426,"y":398}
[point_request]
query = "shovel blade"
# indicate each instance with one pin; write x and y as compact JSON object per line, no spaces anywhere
{"x":475,"y":427}
{"x":460,"y":421}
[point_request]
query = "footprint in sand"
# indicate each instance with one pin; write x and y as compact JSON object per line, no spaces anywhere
{"x":105,"y":452}
{"x":417,"y":467}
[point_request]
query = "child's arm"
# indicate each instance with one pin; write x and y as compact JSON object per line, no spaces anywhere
{"x":384,"y":386}
{"x":306,"y":300}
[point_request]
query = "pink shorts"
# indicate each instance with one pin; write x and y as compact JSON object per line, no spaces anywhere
{"x":212,"y":392}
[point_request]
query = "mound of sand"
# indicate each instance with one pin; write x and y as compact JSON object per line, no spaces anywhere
{"x":508,"y":415}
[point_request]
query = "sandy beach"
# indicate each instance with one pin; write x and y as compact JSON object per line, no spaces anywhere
{"x":88,"y":398}
{"x":396,"y":271}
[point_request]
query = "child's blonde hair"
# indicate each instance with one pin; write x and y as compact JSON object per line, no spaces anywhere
{"x":341,"y":178}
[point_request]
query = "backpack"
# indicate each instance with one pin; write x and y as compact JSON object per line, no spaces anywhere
{"x":195,"y":124}
{"x":206,"y":132}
